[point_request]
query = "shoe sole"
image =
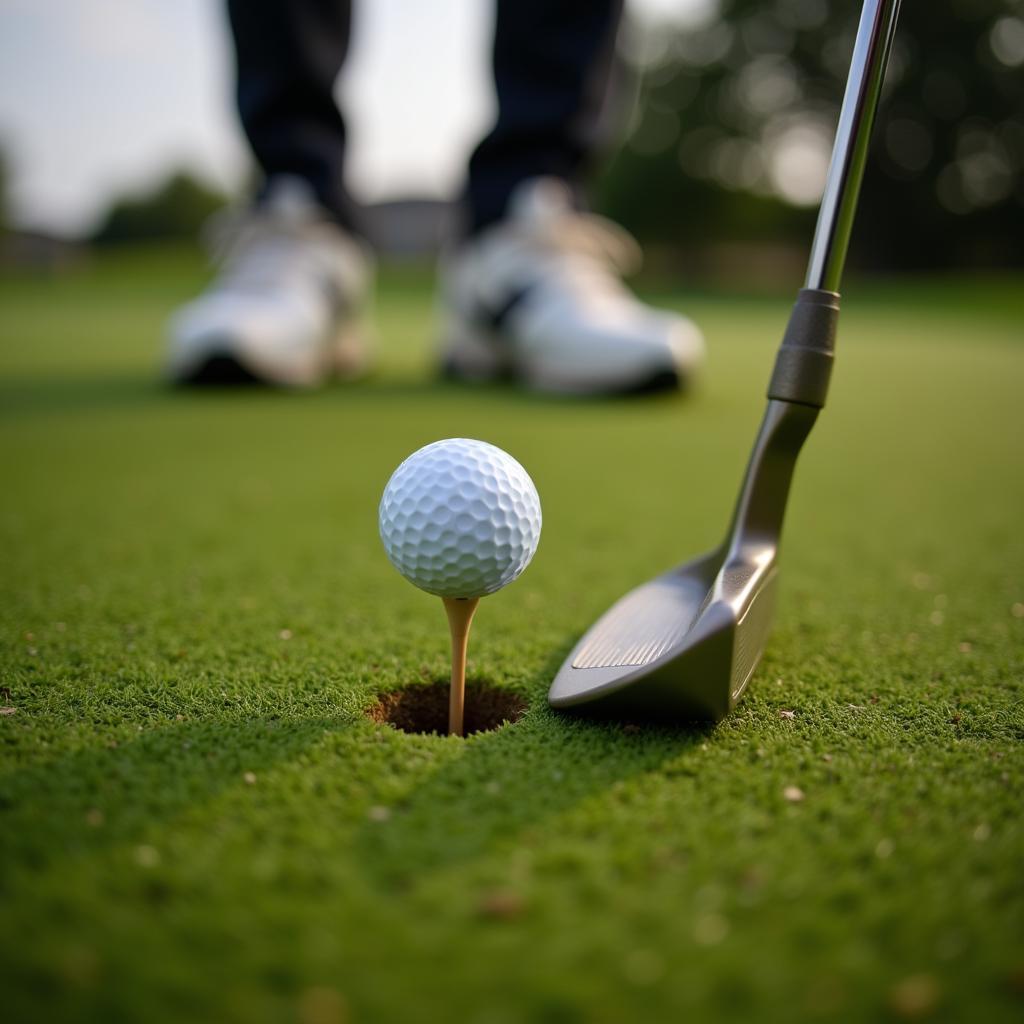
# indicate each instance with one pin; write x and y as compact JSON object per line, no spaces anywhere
{"x":659,"y":382}
{"x":470,"y":357}
{"x":219,"y":369}
{"x":224,"y":363}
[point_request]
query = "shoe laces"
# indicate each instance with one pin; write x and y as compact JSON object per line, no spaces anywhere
{"x":542,"y":214}
{"x":255,"y":248}
{"x":577,"y":234}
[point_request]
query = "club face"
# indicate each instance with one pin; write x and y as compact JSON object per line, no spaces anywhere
{"x":683,"y":645}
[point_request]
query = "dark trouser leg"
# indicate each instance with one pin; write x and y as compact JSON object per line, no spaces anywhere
{"x":552,"y":64}
{"x":289,"y":54}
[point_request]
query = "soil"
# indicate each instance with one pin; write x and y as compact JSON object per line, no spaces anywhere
{"x":423,"y":708}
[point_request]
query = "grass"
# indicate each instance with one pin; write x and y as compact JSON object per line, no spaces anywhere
{"x":197,"y":821}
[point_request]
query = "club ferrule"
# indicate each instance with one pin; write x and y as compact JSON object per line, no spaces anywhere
{"x":803,"y":365}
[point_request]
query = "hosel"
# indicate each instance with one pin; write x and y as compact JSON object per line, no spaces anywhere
{"x":796,"y":391}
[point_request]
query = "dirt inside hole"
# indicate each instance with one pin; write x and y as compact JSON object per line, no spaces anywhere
{"x":423,"y":708}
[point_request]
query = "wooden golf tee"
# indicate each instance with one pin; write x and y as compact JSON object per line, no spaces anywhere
{"x":460,"y":611}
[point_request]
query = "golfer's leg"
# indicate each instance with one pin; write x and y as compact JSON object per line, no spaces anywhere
{"x":533,"y":291}
{"x":552,"y":64}
{"x":304,"y":323}
{"x":289,"y":54}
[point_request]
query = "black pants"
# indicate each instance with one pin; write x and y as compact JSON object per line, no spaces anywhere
{"x":552,"y":65}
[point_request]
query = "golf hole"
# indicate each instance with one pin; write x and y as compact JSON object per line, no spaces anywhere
{"x":424,"y":708}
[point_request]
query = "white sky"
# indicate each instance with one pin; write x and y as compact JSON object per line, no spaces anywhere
{"x":98,"y":97}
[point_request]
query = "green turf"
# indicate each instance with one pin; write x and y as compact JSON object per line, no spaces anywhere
{"x":197,"y":823}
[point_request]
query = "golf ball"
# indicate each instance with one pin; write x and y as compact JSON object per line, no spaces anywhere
{"x":460,"y":518}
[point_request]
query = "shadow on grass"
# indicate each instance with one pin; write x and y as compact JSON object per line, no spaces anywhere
{"x":65,"y":393}
{"x":506,"y":784}
{"x":495,"y":787}
{"x":62,"y":393}
{"x":448,"y":801}
{"x":76,"y":804}
{"x":383,"y":388}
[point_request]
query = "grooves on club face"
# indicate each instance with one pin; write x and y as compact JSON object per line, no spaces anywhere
{"x":685,"y":644}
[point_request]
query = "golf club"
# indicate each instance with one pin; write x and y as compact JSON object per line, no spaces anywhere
{"x":685,"y":644}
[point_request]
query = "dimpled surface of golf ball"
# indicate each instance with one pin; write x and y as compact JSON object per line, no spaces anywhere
{"x":460,"y":518}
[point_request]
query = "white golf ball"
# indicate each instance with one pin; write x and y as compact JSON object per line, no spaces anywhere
{"x":460,"y":518}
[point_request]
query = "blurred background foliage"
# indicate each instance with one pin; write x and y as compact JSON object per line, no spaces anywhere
{"x":732,"y":130}
{"x":3,"y":194}
{"x":725,"y":151}
{"x":176,"y":208}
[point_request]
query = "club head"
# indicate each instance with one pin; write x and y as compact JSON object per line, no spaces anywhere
{"x":682,"y":646}
{"x":685,"y":644}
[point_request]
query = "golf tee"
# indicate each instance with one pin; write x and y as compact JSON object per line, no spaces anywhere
{"x":460,"y":611}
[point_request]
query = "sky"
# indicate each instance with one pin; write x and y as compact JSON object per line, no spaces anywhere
{"x":103,"y":97}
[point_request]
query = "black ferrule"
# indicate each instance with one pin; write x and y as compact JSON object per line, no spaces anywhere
{"x":804,"y":363}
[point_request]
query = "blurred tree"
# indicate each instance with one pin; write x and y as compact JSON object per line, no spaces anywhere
{"x":176,"y":208}
{"x":732,"y":133}
{"x":3,"y":193}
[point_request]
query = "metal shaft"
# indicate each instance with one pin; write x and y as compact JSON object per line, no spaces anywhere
{"x":849,"y":153}
{"x":803,"y":366}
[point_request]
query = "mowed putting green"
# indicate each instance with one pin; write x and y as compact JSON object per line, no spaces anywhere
{"x":198,"y":821}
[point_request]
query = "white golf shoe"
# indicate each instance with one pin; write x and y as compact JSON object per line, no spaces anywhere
{"x":539,"y":298}
{"x":287,"y":307}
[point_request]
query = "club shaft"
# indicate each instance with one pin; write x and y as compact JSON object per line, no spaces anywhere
{"x":850,"y":150}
